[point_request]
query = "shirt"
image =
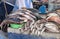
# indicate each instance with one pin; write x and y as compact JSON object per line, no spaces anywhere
{"x":24,"y":3}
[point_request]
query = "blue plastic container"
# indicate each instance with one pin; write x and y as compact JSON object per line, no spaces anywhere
{"x":2,"y":10}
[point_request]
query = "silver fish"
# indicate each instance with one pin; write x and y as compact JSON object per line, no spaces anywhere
{"x":51,"y":27}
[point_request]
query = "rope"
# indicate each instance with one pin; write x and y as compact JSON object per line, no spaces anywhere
{"x":5,"y":9}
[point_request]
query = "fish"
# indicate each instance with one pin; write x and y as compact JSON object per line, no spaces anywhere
{"x":51,"y":27}
{"x":20,"y":16}
{"x":53,"y":17}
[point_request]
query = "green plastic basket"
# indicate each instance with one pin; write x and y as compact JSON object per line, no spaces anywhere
{"x":16,"y":26}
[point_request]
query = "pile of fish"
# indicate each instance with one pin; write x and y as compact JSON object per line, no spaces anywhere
{"x":34,"y":23}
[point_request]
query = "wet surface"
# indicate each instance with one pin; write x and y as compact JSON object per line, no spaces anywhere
{"x":22,"y":36}
{"x":3,"y":35}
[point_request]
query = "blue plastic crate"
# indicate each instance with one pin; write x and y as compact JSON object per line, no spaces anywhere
{"x":2,"y":10}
